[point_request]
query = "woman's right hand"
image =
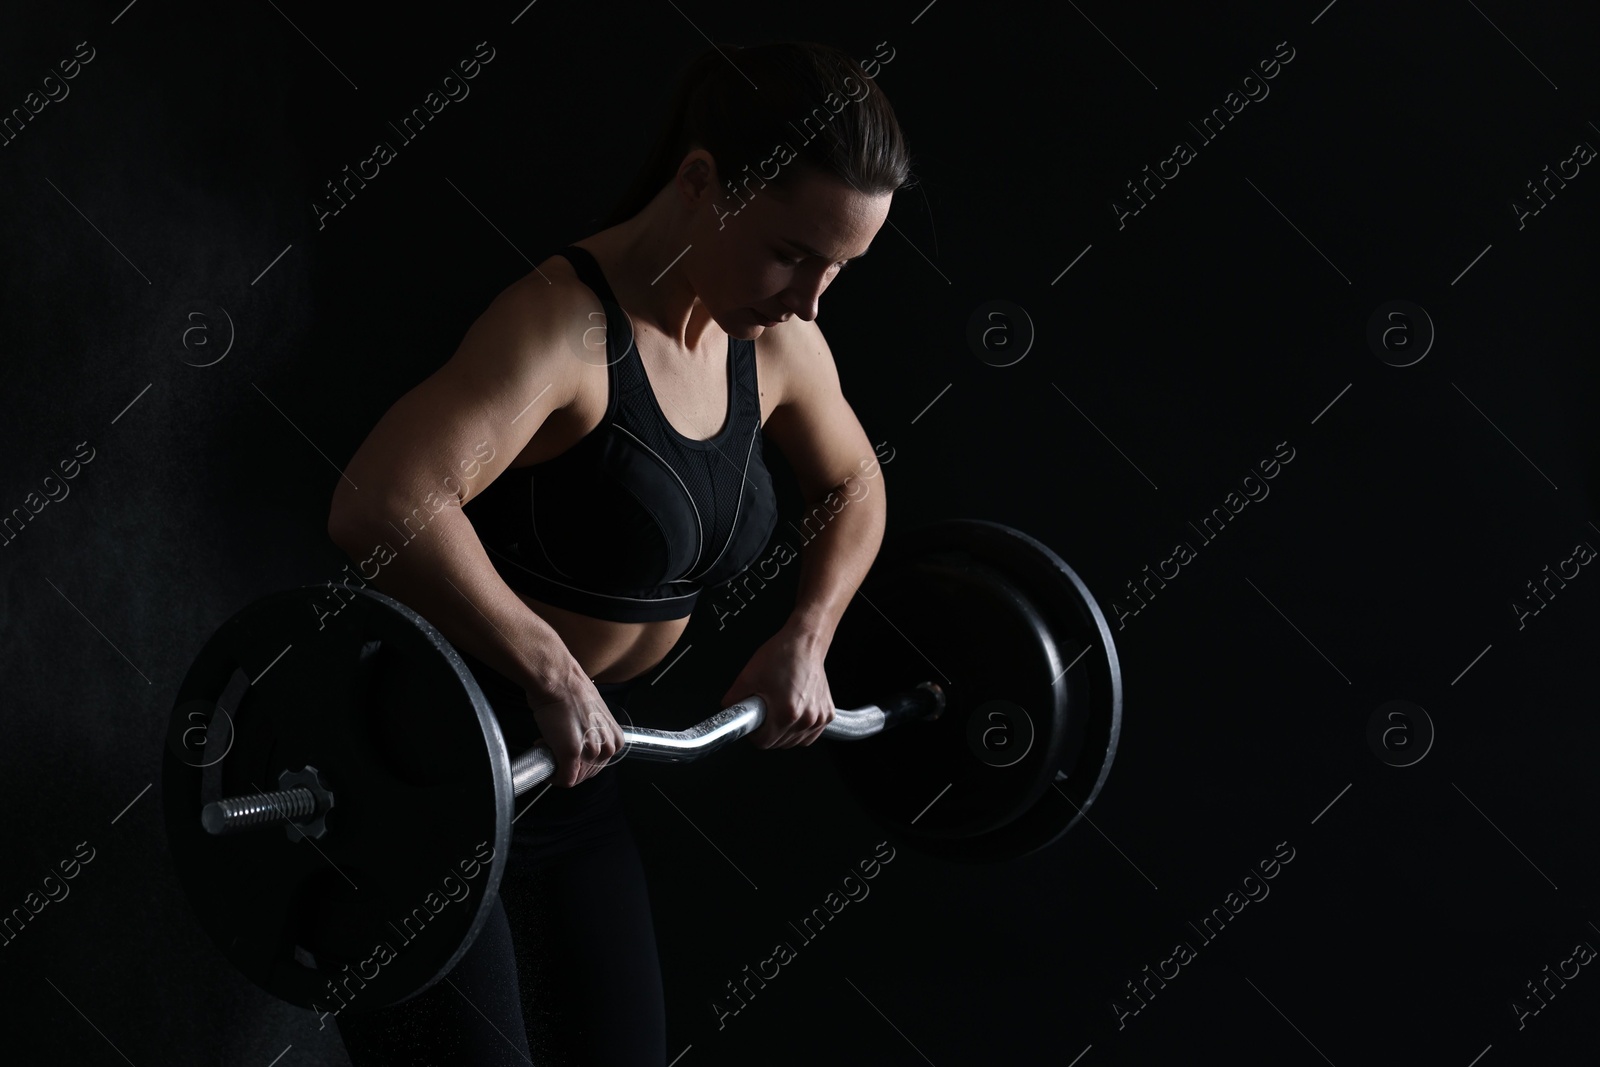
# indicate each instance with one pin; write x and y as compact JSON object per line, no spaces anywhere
{"x":578,"y":727}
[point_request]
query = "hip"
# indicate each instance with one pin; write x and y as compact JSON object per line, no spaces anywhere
{"x":552,"y":821}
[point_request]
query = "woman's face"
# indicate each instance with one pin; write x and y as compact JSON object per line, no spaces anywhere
{"x":770,"y":256}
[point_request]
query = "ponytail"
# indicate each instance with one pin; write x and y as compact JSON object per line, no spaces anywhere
{"x":739,"y":102}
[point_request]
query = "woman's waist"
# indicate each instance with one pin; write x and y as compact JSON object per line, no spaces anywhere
{"x":505,"y":694}
{"x":607,"y":650}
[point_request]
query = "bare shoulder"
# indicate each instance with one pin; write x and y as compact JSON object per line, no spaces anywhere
{"x":526,"y":336}
{"x":812,"y":423}
{"x":515,"y":367}
{"x":795,"y":363}
{"x":570,"y":313}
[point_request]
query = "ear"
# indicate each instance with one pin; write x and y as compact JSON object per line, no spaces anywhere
{"x":697,"y":175}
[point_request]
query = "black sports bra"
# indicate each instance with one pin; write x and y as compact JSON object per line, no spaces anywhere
{"x":635,"y":519}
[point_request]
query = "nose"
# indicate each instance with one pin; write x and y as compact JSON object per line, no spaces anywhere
{"x":803,"y":297}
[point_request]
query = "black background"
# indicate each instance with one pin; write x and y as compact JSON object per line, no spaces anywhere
{"x":1227,"y":316}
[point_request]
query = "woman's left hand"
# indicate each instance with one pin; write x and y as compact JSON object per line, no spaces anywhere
{"x":787,"y":673}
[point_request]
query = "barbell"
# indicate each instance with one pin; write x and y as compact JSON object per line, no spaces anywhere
{"x":304,"y":799}
{"x":366,"y":739}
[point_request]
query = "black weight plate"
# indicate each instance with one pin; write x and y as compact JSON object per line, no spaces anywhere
{"x":386,"y":902}
{"x":1093,"y":682}
{"x":1094,"y":689}
{"x":944,"y":617}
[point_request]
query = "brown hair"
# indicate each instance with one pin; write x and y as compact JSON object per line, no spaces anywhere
{"x":715,"y":106}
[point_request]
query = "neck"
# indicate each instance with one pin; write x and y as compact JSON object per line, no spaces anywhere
{"x":654,"y":294}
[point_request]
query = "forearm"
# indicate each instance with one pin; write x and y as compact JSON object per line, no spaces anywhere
{"x":443,"y":574}
{"x":848,"y":523}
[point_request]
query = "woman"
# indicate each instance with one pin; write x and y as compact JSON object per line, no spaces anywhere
{"x":600,"y":495}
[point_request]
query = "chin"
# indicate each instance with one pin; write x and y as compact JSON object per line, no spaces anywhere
{"x":743,"y":326}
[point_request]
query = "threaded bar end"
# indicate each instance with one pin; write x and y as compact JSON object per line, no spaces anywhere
{"x":242,"y":813}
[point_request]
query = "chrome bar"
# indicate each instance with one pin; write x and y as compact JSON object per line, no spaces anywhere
{"x":680,"y":746}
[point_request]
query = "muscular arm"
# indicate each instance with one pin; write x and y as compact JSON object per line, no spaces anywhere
{"x":438,"y":447}
{"x":818,"y":432}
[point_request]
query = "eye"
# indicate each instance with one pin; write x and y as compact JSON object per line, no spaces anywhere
{"x":785,"y":260}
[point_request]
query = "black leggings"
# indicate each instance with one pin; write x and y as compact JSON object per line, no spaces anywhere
{"x":564,"y":970}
